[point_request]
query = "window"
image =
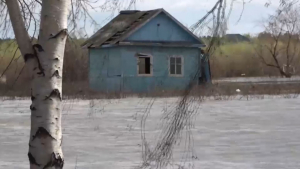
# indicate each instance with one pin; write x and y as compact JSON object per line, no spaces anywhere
{"x":144,"y":64}
{"x":176,"y":66}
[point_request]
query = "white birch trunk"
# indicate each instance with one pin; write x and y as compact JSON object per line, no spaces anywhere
{"x":46,"y":63}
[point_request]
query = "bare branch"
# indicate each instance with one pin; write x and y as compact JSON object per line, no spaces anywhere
{"x":18,"y":24}
{"x":197,"y":24}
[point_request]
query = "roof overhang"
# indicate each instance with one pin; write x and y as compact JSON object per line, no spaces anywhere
{"x":164,"y":44}
{"x":158,"y":44}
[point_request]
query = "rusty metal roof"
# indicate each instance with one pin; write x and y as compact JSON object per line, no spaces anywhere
{"x":124,"y":25}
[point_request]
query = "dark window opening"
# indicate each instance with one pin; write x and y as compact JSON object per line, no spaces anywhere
{"x":144,"y":65}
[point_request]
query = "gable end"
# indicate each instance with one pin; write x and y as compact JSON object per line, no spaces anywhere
{"x":162,"y":28}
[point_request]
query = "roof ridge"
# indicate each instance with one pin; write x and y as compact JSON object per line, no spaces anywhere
{"x":120,"y":33}
{"x":128,"y":11}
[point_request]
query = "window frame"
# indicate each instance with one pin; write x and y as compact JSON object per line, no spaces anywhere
{"x":144,"y":55}
{"x":182,"y":66}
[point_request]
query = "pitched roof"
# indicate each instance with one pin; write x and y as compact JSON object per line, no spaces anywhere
{"x":123,"y":25}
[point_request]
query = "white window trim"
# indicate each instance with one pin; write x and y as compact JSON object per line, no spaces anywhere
{"x":151,"y":64}
{"x":182,"y":66}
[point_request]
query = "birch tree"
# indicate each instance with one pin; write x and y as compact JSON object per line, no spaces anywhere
{"x":44,"y":63}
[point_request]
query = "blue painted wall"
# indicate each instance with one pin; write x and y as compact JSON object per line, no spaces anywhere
{"x":168,"y":30}
{"x":115,"y":69}
{"x":104,"y":70}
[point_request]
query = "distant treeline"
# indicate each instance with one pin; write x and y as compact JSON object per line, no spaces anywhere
{"x":236,"y":56}
{"x":12,"y":66}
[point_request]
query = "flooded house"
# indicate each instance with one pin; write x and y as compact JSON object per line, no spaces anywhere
{"x":141,"y":51}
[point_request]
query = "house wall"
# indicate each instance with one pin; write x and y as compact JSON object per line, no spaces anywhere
{"x":162,"y":28}
{"x":115,"y":69}
{"x":104,"y":73}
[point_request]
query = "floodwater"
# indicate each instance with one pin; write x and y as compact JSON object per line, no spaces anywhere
{"x":259,"y":80}
{"x":236,"y":134}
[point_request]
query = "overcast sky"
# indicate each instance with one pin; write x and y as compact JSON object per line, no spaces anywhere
{"x":189,"y":11}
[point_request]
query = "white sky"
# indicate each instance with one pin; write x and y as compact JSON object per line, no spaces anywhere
{"x":189,"y":11}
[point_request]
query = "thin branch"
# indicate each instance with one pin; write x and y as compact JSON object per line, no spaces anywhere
{"x":196,"y":25}
{"x":38,"y":2}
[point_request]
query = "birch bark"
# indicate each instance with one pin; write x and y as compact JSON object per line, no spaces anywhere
{"x":45,"y":62}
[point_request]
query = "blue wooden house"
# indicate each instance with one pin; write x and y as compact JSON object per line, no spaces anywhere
{"x":141,"y":51}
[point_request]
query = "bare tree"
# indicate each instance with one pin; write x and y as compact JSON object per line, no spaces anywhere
{"x":214,"y":22}
{"x":280,"y":48}
{"x":179,"y":119}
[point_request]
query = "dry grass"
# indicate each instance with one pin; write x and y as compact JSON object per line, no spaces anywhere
{"x":235,"y":59}
{"x":230,"y":60}
{"x":214,"y":91}
{"x":80,"y":90}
